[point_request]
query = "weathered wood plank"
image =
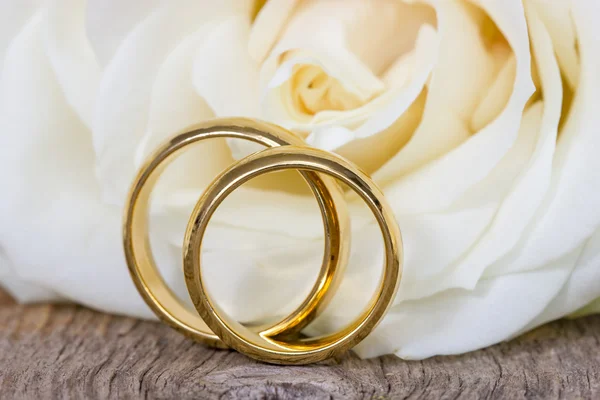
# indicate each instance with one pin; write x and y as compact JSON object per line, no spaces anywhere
{"x":71,"y":352}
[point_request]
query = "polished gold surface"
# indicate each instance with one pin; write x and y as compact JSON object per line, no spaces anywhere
{"x":165,"y":304}
{"x":267,"y":346}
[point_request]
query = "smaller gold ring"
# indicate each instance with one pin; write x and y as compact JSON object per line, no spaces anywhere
{"x":142,"y":267}
{"x":283,"y":350}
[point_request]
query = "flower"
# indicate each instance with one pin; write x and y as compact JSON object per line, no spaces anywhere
{"x":477,"y":118}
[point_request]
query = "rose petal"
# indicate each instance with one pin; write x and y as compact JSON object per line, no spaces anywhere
{"x":557,"y":18}
{"x":526,"y":193}
{"x":439,"y":271}
{"x":382,"y":144}
{"x":227,"y":78}
{"x":71,"y":55}
{"x":19,"y":12}
{"x":175,"y":106}
{"x":571,"y":203}
{"x":496,"y":98}
{"x":267,"y":27}
{"x":339,"y":48}
{"x":458,"y":321}
{"x":423,"y":268}
{"x":453,"y":93}
{"x":100,"y":14}
{"x":63,"y":238}
{"x":124,"y":96}
{"x":383,"y":125}
{"x":581,"y":288}
{"x":330,"y":40}
{"x":441,"y":182}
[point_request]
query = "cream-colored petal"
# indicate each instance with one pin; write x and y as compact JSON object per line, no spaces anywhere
{"x":451,"y":234}
{"x":476,"y":237}
{"x":344,"y":68}
{"x":346,"y":31}
{"x":373,"y":150}
{"x":227,"y":76}
{"x":458,"y":321}
{"x":439,"y":183}
{"x":496,"y":98}
{"x":464,"y":65}
{"x":427,"y":46}
{"x":528,"y":191}
{"x":55,"y":230}
{"x":556,"y":16}
{"x":581,"y":288}
{"x":571,"y":202}
{"x":19,"y":12}
{"x":373,"y":117}
{"x":174,"y":106}
{"x":122,"y":105}
{"x":384,"y":124}
{"x":72,"y":56}
{"x":268,"y":25}
{"x":107,"y":29}
{"x":337,"y":43}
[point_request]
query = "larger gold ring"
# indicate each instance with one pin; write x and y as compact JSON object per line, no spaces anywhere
{"x":148,"y":280}
{"x":267,"y":347}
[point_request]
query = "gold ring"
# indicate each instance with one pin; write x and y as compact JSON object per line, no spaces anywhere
{"x":148,"y":280}
{"x":282,"y":350}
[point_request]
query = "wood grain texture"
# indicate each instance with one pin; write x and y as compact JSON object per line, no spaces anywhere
{"x":67,"y":351}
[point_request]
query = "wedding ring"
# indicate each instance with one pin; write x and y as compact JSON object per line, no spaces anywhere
{"x":282,"y":350}
{"x":148,"y":280}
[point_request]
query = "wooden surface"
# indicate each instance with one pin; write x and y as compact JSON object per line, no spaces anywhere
{"x":72,"y":352}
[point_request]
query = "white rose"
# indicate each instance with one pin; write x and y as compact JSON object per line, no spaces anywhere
{"x":478,"y":118}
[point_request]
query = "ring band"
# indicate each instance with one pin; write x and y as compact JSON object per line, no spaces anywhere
{"x":148,"y":280}
{"x":269,"y":348}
